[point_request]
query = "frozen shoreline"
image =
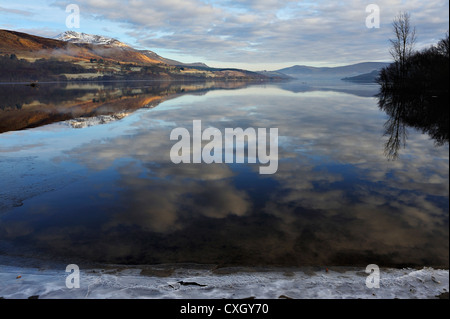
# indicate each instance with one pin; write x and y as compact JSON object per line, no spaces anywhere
{"x":208,"y":282}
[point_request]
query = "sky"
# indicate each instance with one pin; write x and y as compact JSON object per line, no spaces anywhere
{"x":252,"y":34}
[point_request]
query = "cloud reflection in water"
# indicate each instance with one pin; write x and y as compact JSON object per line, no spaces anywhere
{"x":334,"y":200}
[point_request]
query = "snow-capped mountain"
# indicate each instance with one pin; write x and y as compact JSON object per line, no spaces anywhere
{"x":77,"y":37}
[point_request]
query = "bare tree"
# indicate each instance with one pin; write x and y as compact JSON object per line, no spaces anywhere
{"x":443,"y":46}
{"x":404,"y":41}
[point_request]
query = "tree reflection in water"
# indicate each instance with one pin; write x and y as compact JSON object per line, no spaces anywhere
{"x":409,"y":107}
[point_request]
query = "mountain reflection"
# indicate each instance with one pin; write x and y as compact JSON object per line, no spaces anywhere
{"x":23,"y":106}
{"x":423,"y":111}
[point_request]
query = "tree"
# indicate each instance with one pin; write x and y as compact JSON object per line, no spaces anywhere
{"x":404,"y":41}
{"x":443,"y":47}
{"x":418,"y":97}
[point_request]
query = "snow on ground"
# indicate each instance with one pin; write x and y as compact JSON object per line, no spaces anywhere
{"x":195,"y":282}
{"x":77,"y":37}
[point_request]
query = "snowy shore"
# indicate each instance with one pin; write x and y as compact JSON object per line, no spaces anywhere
{"x":208,"y":282}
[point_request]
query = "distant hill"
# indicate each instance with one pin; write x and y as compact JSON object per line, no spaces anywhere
{"x":275,"y":74}
{"x":364,"y":78}
{"x":155,"y":56}
{"x":305,"y":72}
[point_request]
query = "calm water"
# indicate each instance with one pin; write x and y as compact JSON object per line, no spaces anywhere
{"x":81,"y":190}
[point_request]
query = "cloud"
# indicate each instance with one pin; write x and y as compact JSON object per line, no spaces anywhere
{"x":236,"y":32}
{"x":268,"y":31}
{"x":16,"y":11}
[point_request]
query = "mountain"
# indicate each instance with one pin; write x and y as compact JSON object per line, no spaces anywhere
{"x":364,"y":78}
{"x":77,"y":37}
{"x":30,"y":46}
{"x":305,"y":72}
{"x":80,"y":57}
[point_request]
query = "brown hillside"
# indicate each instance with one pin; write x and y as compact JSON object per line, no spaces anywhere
{"x":31,"y":46}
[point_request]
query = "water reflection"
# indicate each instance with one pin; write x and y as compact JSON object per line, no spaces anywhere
{"x":110,"y":193}
{"x":424,"y":111}
{"x":23,"y":106}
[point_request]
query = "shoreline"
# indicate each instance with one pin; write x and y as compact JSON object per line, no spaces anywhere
{"x":195,"y":281}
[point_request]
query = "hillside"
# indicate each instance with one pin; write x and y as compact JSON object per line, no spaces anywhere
{"x":78,"y":56}
{"x":157,"y":57}
{"x":84,"y":38}
{"x":30,"y":46}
